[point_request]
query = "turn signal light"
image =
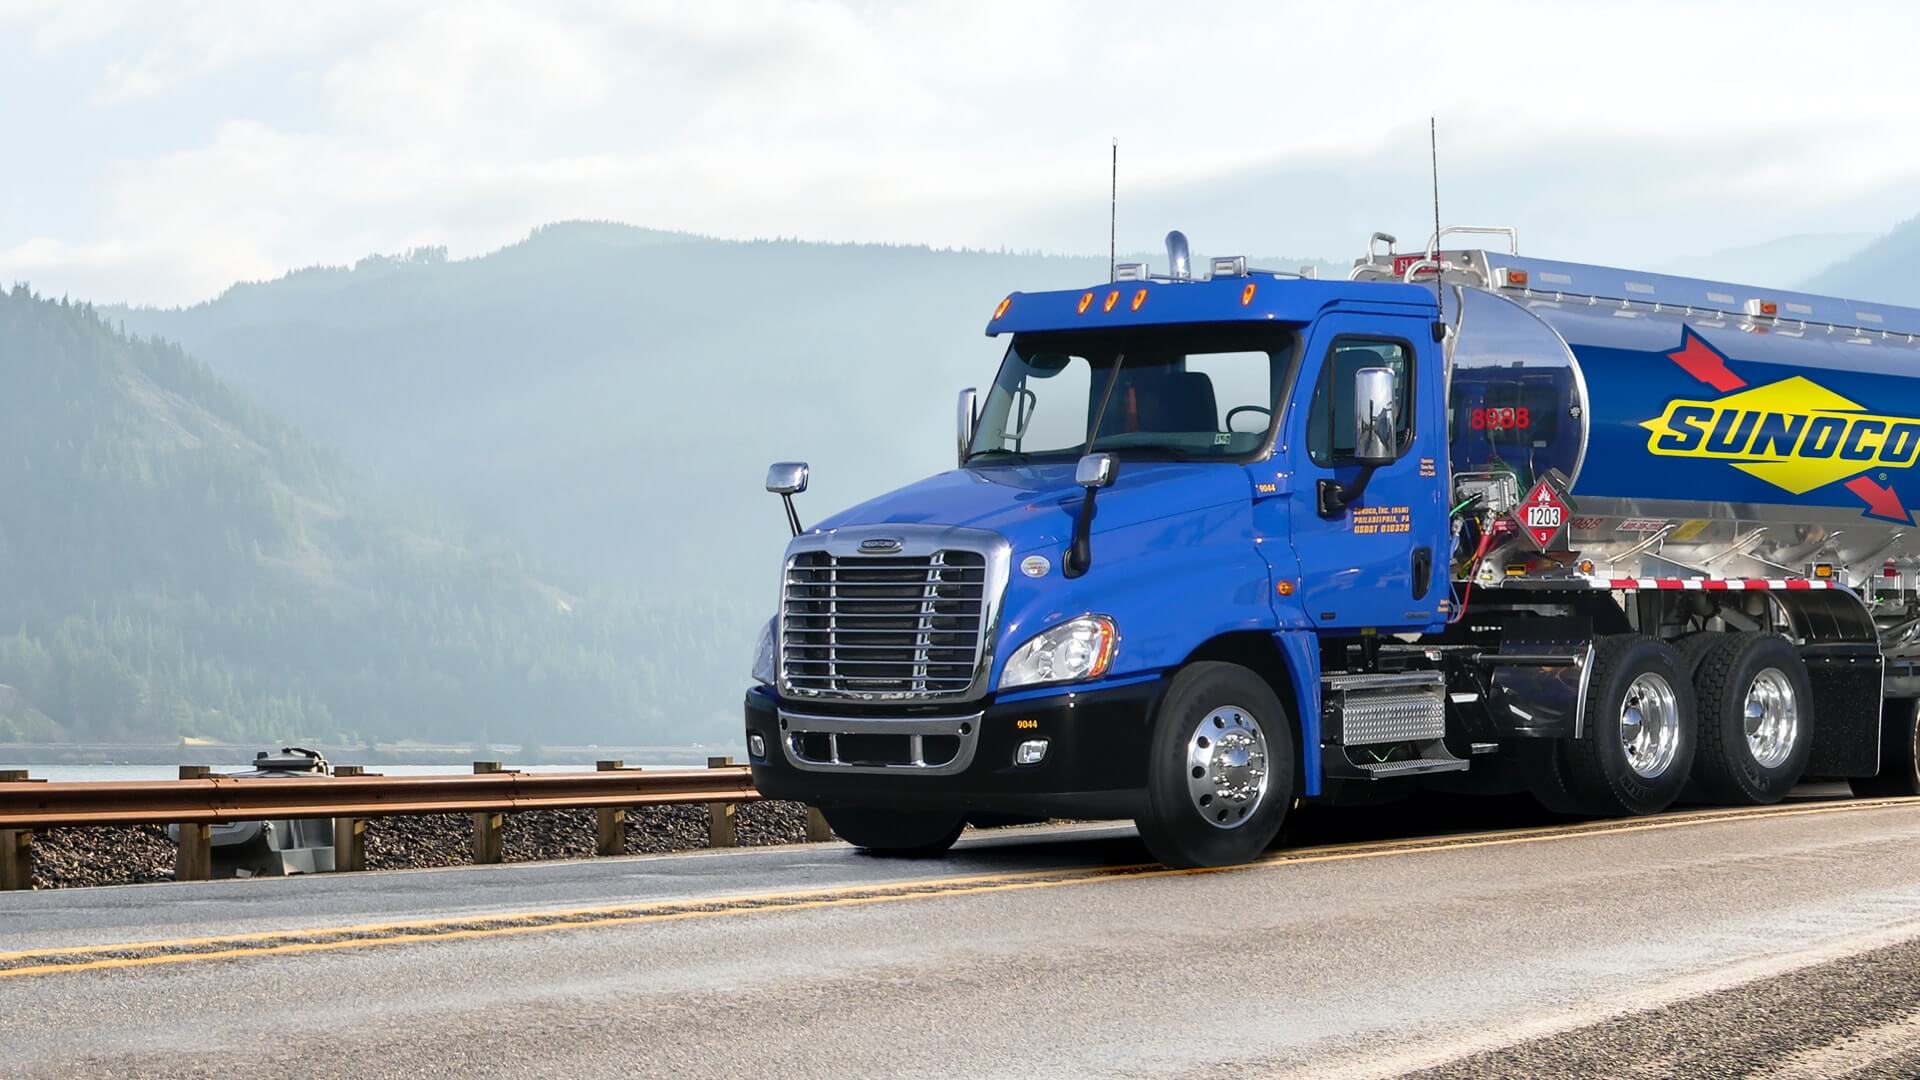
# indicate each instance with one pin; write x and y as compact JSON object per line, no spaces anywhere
{"x":1284,"y":587}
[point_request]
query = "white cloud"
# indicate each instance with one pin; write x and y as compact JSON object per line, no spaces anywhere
{"x":235,"y":140}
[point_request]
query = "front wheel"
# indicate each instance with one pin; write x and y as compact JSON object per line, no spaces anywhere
{"x":899,"y":833}
{"x":1220,"y":777}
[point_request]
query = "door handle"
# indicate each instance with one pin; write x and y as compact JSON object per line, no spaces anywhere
{"x":1422,"y":571}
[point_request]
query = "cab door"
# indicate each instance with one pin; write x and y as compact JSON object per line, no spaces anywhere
{"x":1381,"y":560}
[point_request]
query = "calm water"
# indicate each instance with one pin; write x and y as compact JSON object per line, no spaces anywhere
{"x":172,"y":772}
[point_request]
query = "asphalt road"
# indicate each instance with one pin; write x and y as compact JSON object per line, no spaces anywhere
{"x":1778,"y":943}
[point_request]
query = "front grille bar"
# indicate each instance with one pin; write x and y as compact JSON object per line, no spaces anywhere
{"x":889,"y":627}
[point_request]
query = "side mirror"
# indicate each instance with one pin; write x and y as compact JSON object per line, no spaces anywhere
{"x":1095,"y":471}
{"x":787,"y":479}
{"x":968,"y":415}
{"x":1376,"y":412}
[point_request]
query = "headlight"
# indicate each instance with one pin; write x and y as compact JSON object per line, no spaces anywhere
{"x":763,"y":656}
{"x":1077,"y":649}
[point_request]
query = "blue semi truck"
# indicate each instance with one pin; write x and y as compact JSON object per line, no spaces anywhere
{"x":1222,"y":543}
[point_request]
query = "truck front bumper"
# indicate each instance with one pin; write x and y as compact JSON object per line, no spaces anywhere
{"x":1094,"y":765}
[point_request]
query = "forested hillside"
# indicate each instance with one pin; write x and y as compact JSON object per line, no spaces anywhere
{"x":1884,"y":271}
{"x":610,"y":396}
{"x":174,"y":561}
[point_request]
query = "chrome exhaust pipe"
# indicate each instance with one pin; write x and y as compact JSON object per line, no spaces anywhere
{"x":1177,"y":255}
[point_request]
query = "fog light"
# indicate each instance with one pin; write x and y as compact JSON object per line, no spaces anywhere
{"x":756,"y":745}
{"x":1030,"y":752}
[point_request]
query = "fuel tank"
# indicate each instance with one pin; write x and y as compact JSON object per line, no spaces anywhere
{"x":1726,"y":436}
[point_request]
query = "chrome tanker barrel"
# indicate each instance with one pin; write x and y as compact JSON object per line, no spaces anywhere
{"x":1725,"y":438}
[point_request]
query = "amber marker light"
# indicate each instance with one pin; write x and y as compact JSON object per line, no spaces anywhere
{"x":1002,"y":309}
{"x":1246,"y":295}
{"x":1086,"y":301}
{"x":1285,"y":587}
{"x":1112,"y":299}
{"x":1139,"y":298}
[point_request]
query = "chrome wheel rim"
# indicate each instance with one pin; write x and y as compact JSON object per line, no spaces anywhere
{"x":1227,"y":767}
{"x":1772,"y":718}
{"x":1650,"y":725}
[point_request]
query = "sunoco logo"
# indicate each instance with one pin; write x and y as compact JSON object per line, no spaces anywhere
{"x":1794,"y":434}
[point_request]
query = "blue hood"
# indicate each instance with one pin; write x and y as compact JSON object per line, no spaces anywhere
{"x":1033,"y":505}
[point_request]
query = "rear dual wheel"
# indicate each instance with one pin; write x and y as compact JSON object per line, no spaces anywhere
{"x":1756,"y":719}
{"x":1639,"y":741}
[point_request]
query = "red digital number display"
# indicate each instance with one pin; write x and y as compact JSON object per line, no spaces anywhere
{"x":1501,"y":419}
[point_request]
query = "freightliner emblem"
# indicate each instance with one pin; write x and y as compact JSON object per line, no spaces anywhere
{"x":879,"y":545}
{"x":1794,"y":434}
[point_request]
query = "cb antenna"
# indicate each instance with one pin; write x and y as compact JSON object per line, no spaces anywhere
{"x":1439,"y":278}
{"x":1113,"y":212}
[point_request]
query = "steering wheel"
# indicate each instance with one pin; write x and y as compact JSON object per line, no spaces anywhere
{"x":1247,"y":408}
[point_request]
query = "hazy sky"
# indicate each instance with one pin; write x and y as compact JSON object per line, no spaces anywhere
{"x":159,"y":152}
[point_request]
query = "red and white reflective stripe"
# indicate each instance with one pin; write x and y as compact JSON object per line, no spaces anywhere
{"x":1709,"y":584}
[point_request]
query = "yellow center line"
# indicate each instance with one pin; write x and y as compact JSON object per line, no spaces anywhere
{"x":529,"y":922}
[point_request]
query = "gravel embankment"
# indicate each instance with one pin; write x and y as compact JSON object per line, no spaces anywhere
{"x":67,"y":858}
{"x":1856,"y":1017}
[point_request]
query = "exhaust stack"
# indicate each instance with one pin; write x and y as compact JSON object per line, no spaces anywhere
{"x":1177,"y":255}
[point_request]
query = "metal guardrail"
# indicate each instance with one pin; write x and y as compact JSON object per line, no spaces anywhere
{"x":199,"y":801}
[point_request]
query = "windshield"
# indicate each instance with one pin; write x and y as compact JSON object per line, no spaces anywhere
{"x":1181,"y":392}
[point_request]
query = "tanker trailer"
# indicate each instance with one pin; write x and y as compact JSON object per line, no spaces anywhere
{"x":1731,"y":466}
{"x":1220,"y":543}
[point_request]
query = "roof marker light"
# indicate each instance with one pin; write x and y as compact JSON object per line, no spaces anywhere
{"x":1112,"y":299}
{"x":1763,"y":309}
{"x":1246,"y":295}
{"x":1002,"y":309}
{"x":1139,"y":298}
{"x":1086,"y":301}
{"x":1512,"y":278}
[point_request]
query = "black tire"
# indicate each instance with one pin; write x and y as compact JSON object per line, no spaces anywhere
{"x":1235,"y":701}
{"x":1725,"y":768}
{"x":1597,"y":770}
{"x":1899,"y":752}
{"x":1544,"y":763}
{"x":906,"y":834}
{"x":1694,"y":648}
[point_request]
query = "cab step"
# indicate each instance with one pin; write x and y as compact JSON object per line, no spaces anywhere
{"x":1434,"y":758}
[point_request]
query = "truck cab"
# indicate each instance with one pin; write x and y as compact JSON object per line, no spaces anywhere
{"x":1205,"y":555}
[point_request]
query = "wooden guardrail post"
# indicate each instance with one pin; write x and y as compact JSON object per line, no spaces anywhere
{"x":16,"y":845}
{"x":817,"y":827}
{"x":193,"y":859}
{"x":610,"y":822}
{"x":489,"y":826}
{"x":349,"y":833}
{"x":720,"y":815}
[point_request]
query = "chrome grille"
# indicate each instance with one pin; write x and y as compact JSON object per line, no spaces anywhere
{"x":882,"y":626}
